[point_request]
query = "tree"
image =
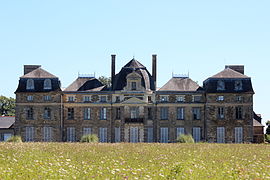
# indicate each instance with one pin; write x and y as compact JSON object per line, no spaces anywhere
{"x":268,"y":127}
{"x":7,"y":106}
{"x":105,"y":80}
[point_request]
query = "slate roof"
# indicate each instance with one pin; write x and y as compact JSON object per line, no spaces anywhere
{"x":38,"y":73}
{"x":180,"y":84}
{"x":120,"y":80}
{"x":85,"y":84}
{"x":257,"y":124}
{"x":6,"y":121}
{"x":229,"y":73}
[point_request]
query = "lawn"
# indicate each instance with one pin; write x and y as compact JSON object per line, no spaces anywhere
{"x":134,"y":161}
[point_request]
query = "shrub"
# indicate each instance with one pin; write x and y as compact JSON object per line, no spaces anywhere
{"x":267,"y":138}
{"x":183,"y":138}
{"x":90,"y":138}
{"x":14,"y":139}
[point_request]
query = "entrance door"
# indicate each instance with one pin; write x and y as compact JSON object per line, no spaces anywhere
{"x":134,"y":135}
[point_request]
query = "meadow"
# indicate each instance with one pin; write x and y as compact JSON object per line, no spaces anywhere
{"x":134,"y":161}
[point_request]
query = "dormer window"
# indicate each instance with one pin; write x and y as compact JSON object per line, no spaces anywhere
{"x":133,"y":86}
{"x":164,"y":98}
{"x":180,"y":98}
{"x":47,"y":84}
{"x":220,"y":85}
{"x":30,"y":84}
{"x":220,"y":98}
{"x":238,"y":85}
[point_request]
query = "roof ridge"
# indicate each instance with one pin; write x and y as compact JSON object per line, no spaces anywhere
{"x":225,"y":74}
{"x":39,"y":73}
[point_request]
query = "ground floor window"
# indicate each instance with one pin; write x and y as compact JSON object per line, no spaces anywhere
{"x":238,"y":134}
{"x":87,"y":130}
{"x":220,"y":135}
{"x":29,"y":134}
{"x":196,"y":132}
{"x":150,"y":135}
{"x":179,"y":131}
{"x":134,"y":135}
{"x":7,"y":136}
{"x":102,"y":134}
{"x":117,"y":134}
{"x":71,"y":134}
{"x":164,"y":135}
{"x":47,"y":134}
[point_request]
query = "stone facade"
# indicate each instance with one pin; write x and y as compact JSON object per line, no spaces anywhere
{"x":133,"y":109}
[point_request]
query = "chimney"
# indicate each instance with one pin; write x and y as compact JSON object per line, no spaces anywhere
{"x":113,"y":69}
{"x":30,"y":68}
{"x":154,"y":69}
{"x":238,"y":68}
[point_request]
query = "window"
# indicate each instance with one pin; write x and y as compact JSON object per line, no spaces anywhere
{"x":6,"y":136}
{"x":117,"y":135}
{"x":196,"y":133}
{"x":196,"y":113}
{"x":30,"y":98}
{"x":47,"y":113}
{"x":134,"y":112}
{"x":149,"y":99}
{"x":87,"y":113}
{"x":133,"y":85}
{"x":164,"y":98}
{"x":180,"y":98}
{"x":238,"y":134}
{"x":197,"y":98}
{"x":220,"y":98}
{"x":70,"y":113}
{"x":103,"y":98}
{"x":118,"y":113}
{"x":71,"y":134}
{"x":220,"y":135}
{"x":87,"y":131}
{"x":117,"y":99}
{"x":103,"y":114}
{"x":239,"y":98}
{"x":29,"y":134}
{"x":164,"y":135}
{"x":220,"y":85}
{"x":29,"y":113}
{"x":71,"y":98}
{"x":238,"y":113}
{"x":150,"y":135}
{"x":47,"y":84}
{"x":180,"y":113}
{"x":221,"y":114}
{"x":134,"y":135}
{"x":179,"y":131}
{"x":238,"y":85}
{"x":86,"y":98}
{"x":30,"y":84}
{"x":149,"y":113}
{"x":102,"y":134}
{"x":164,"y":113}
{"x":47,"y":134}
{"x":47,"y":98}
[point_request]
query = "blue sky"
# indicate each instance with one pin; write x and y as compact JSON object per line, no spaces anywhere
{"x":199,"y":37}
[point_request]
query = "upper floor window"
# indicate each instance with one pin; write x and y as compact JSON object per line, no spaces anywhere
{"x":47,"y":113}
{"x":103,"y":113}
{"x":71,"y":98}
{"x":180,"y":98}
{"x":133,"y":86}
{"x":238,"y":113}
{"x":150,"y":114}
{"x":221,"y":113}
{"x":117,"y":99}
{"x":30,"y":84}
{"x":220,"y":98}
{"x":149,"y":98}
{"x":134,"y":112}
{"x":86,"y":98}
{"x":238,"y":85}
{"x":197,"y":98}
{"x":118,"y":113}
{"x":87,"y":113}
{"x":220,"y":85}
{"x":47,"y":98}
{"x":103,"y":98}
{"x":180,"y":113}
{"x":70,"y":113}
{"x":239,"y":98}
{"x":30,"y":98}
{"x":29,"y":113}
{"x":164,"y":113}
{"x":164,"y":98}
{"x":47,"y":84}
{"x":196,"y":113}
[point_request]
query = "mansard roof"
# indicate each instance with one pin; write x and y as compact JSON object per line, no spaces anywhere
{"x":229,"y":73}
{"x":86,"y":84}
{"x":120,"y":79}
{"x":39,"y":73}
{"x":180,"y":84}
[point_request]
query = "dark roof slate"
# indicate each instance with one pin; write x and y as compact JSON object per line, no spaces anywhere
{"x":6,"y":121}
{"x":39,"y":73}
{"x":85,"y":84}
{"x":180,"y":84}
{"x":134,"y":64}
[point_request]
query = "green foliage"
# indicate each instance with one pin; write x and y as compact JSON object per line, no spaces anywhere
{"x":7,"y":106}
{"x":267,"y":138}
{"x":105,"y":80}
{"x":14,"y":139}
{"x":268,"y":127}
{"x":183,"y":138}
{"x":89,"y":138}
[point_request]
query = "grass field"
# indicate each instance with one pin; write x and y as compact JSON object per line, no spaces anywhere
{"x":134,"y":161}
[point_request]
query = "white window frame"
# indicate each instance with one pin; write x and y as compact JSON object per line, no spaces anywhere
{"x":87,"y":131}
{"x":87,"y":113}
{"x":164,"y":98}
{"x":47,"y":134}
{"x":196,"y":111}
{"x":71,"y":134}
{"x":180,"y":98}
{"x":117,"y":134}
{"x":29,"y":134}
{"x":103,"y":113}
{"x":134,"y":135}
{"x":164,"y":135}
{"x":179,"y":131}
{"x":196,"y":133}
{"x":180,"y":113}
{"x":47,"y":84}
{"x":30,"y":98}
{"x":30,"y":84}
{"x":220,"y":134}
{"x":221,"y":112}
{"x":86,"y":98}
{"x":238,"y":134}
{"x":71,"y":98}
{"x":150,"y":135}
{"x":220,"y":98}
{"x":103,"y":135}
{"x":47,"y":98}
{"x":194,"y":98}
{"x":164,"y":113}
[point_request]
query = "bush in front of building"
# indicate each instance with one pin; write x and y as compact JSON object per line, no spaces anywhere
{"x":89,"y":138}
{"x":267,"y":138}
{"x":185,"y":138}
{"x":14,"y":139}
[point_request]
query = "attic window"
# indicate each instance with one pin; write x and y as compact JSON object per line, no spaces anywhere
{"x":238,"y":85}
{"x":30,"y":84}
{"x":133,"y":86}
{"x":47,"y":84}
{"x":220,"y":85}
{"x":164,"y":98}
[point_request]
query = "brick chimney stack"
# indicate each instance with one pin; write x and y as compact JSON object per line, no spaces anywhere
{"x":154,"y":69}
{"x":113,"y":69}
{"x":29,"y":68}
{"x":238,"y":68}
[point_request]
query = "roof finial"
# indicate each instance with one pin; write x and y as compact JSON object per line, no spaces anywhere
{"x":133,"y":56}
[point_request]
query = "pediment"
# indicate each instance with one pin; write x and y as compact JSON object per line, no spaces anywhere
{"x":134,"y":100}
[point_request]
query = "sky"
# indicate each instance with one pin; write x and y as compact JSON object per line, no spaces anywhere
{"x":68,"y":37}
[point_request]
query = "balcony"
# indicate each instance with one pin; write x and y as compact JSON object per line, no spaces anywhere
{"x":133,"y":120}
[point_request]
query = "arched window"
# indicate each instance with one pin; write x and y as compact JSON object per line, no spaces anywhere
{"x":47,"y":84}
{"x":220,"y":85}
{"x":30,"y":84}
{"x":238,"y":85}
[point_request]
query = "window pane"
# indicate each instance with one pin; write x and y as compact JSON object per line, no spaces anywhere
{"x":196,"y":132}
{"x":150,"y":135}
{"x":220,"y":135}
{"x":164,"y":137}
{"x":117,"y":134}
